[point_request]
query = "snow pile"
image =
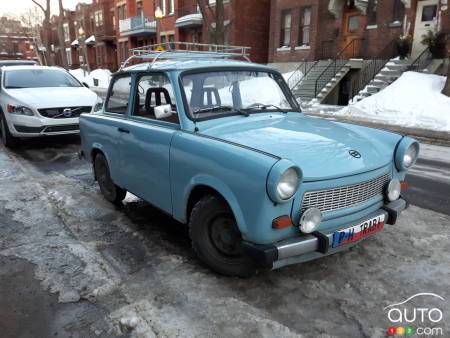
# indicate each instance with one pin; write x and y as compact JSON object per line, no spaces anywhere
{"x":103,"y":76}
{"x":413,"y":100}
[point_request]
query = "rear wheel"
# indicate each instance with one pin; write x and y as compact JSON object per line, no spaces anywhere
{"x":216,"y":238}
{"x":8,"y":140}
{"x":110,"y":191}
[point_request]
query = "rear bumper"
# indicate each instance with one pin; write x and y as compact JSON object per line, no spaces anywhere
{"x":317,"y":244}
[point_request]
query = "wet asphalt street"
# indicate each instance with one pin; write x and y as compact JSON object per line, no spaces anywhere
{"x":73,"y":265}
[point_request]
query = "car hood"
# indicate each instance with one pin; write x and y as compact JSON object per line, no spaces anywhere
{"x":319,"y":147}
{"x":49,"y":97}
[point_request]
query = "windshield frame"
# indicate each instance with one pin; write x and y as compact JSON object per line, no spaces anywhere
{"x":8,"y":69}
{"x":283,"y":86}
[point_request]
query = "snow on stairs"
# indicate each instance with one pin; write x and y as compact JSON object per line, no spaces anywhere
{"x":393,"y":69}
{"x":326,"y":79}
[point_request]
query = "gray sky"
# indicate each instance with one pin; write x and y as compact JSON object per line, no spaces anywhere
{"x":16,"y":7}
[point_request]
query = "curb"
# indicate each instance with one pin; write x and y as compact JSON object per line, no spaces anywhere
{"x":425,"y":135}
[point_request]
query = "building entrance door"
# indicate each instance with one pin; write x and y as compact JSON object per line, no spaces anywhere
{"x":427,"y":11}
{"x":350,"y":31}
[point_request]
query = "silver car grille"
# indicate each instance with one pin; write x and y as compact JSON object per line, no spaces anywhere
{"x":344,"y":197}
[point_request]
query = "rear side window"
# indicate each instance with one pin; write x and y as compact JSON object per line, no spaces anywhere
{"x":119,"y":96}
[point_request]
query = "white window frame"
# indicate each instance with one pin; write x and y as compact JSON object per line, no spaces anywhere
{"x":69,"y":56}
{"x":66,"y":32}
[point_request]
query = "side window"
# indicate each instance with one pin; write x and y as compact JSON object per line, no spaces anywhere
{"x":119,"y":96}
{"x":154,"y":90}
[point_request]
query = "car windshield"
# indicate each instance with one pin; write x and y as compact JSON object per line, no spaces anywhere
{"x":221,"y":93}
{"x":37,"y":78}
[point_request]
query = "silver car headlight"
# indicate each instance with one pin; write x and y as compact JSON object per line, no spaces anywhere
{"x":393,"y":190}
{"x":410,"y":155}
{"x":283,"y":181}
{"x":288,"y":184}
{"x":406,"y":154}
{"x":310,"y":220}
{"x":20,"y":110}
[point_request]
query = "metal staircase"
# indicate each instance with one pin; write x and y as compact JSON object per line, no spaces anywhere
{"x":324,"y":75}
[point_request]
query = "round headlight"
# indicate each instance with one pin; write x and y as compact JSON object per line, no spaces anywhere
{"x":393,"y":190}
{"x":410,"y":155}
{"x":310,"y":220}
{"x":288,"y":183}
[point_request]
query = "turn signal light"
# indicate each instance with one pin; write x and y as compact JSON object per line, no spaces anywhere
{"x":403,"y":185}
{"x":281,"y":222}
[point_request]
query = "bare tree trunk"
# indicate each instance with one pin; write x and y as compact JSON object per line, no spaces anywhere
{"x":220,"y":24}
{"x":446,"y":90}
{"x":217,"y":32}
{"x":61,"y":39}
{"x":46,"y":31}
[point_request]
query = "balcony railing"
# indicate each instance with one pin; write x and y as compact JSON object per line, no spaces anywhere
{"x":137,"y":25}
{"x":188,"y":16}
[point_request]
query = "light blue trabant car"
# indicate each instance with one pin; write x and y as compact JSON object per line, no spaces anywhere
{"x":222,"y":146}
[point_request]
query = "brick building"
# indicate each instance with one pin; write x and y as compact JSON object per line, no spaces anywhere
{"x":309,"y":30}
{"x":182,"y":21}
{"x":16,"y":41}
{"x":105,"y":27}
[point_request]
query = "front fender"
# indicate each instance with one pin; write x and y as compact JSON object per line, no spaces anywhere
{"x":223,"y":189}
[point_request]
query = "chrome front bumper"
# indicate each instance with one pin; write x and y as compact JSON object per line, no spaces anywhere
{"x":264,"y":256}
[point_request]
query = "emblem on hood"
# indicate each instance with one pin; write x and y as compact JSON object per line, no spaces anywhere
{"x":67,"y":112}
{"x":354,"y":153}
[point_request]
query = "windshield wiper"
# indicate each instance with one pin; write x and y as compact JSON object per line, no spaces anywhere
{"x":218,"y":108}
{"x":265,"y":106}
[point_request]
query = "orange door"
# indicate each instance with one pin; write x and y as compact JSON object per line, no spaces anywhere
{"x":350,"y":31}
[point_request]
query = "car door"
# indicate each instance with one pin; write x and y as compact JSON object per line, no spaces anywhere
{"x":111,"y":126}
{"x":145,"y":156}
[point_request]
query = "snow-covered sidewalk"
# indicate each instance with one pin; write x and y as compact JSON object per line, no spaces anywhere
{"x":412,"y":101}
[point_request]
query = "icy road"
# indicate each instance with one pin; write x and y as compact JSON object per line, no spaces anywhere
{"x":72,"y":265}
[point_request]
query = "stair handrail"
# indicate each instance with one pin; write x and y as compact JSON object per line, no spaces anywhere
{"x":421,"y":61}
{"x":305,"y":72}
{"x":334,"y":62}
{"x":368,"y":72}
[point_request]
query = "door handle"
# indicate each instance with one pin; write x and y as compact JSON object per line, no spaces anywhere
{"x":122,"y":130}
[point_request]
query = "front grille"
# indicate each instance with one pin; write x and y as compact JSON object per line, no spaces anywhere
{"x":67,"y":127}
{"x":344,"y":197}
{"x":58,"y":113}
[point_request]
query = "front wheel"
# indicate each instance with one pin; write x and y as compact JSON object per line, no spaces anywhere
{"x":216,"y":238}
{"x":110,"y":191}
{"x":8,"y":140}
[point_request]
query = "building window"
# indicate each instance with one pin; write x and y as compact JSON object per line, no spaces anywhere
{"x":372,"y":12}
{"x":398,"y":11}
{"x":66,"y":32}
{"x":429,"y":13}
{"x":171,"y":6}
{"x":69,"y":56}
{"x":163,"y":38}
{"x":98,"y":17}
{"x":122,"y":12}
{"x":305,"y":26}
{"x":353,"y":23}
{"x":285,"y":34}
{"x":139,"y":8}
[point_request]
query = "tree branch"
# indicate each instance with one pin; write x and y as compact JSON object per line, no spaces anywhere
{"x":39,"y":5}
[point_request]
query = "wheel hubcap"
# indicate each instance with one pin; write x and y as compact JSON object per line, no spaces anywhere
{"x":225,"y":236}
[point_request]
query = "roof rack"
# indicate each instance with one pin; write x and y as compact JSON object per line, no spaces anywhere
{"x":186,"y":50}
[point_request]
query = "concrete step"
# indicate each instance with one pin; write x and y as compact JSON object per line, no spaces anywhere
{"x":397,"y":66}
{"x":372,"y":89}
{"x":390,"y":72}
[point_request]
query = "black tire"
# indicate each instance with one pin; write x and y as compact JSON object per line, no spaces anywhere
{"x":110,"y":191}
{"x":8,"y":140}
{"x":216,"y":238}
